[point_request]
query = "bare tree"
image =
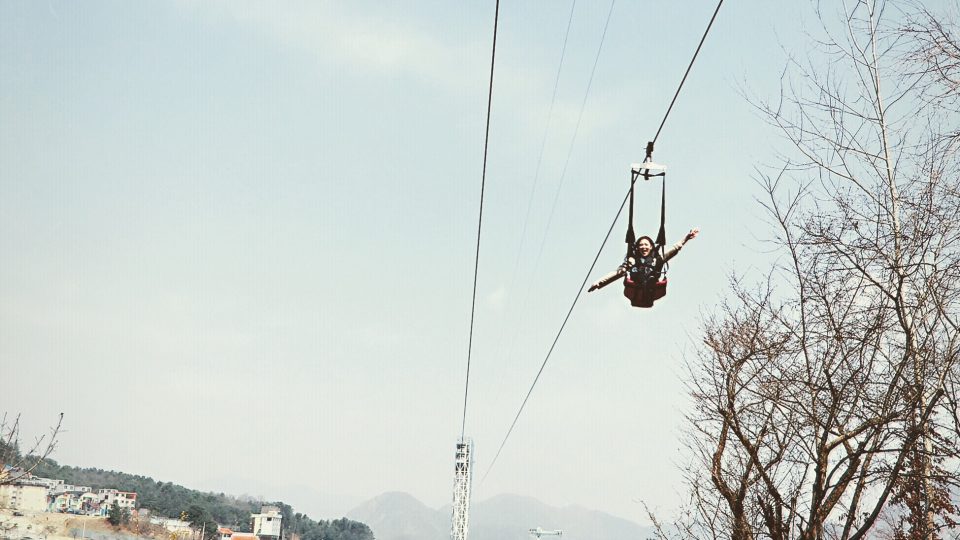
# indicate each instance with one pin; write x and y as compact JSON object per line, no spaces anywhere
{"x":825,"y":397}
{"x":16,"y":463}
{"x":934,"y":58}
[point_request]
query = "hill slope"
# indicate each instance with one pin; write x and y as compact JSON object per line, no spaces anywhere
{"x":171,"y":500}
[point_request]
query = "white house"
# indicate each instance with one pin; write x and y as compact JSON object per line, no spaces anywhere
{"x":125,"y":499}
{"x":266,"y":524}
{"x":24,"y":495}
{"x":89,"y":503}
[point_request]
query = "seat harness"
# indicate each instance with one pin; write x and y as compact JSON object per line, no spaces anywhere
{"x":650,"y":270}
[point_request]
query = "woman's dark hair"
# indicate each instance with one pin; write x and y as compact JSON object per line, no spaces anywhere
{"x":652,"y":243}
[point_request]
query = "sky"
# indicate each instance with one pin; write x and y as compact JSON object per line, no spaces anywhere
{"x":238,"y":238}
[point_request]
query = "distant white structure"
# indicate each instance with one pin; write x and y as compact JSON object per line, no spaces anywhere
{"x":172,"y":525}
{"x":538,"y":532}
{"x":462,"y":486}
{"x":266,"y":524}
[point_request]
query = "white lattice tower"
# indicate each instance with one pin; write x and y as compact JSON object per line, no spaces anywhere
{"x":462,"y":483}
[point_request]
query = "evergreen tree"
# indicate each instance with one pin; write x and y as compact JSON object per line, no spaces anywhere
{"x":115,"y":516}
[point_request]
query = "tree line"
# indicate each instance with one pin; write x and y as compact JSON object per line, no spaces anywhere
{"x":204,"y":510}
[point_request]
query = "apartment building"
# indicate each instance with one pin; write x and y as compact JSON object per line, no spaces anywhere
{"x":24,"y":495}
{"x":125,"y":499}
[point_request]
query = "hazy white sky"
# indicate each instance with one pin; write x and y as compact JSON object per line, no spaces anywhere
{"x":238,"y":237}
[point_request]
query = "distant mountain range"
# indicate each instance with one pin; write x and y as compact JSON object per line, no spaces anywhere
{"x":391,"y":516}
{"x":400,"y":516}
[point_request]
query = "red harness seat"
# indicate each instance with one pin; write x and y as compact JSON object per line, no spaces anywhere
{"x":641,"y":296}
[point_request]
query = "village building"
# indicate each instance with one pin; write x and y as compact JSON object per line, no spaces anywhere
{"x":266,"y":525}
{"x":24,"y":495}
{"x":126,"y":500}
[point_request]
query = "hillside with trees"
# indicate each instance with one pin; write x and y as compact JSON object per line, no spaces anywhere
{"x":202,"y":508}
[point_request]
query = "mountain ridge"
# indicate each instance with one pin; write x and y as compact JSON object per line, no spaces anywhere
{"x":397,"y":515}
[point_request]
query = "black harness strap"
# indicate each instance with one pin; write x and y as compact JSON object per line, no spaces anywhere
{"x":662,"y":234}
{"x":631,"y":236}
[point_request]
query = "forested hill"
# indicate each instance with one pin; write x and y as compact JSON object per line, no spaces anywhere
{"x":174,"y":501}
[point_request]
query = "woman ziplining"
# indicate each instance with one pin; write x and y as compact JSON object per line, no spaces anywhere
{"x":653,"y":284}
{"x":643,"y":271}
{"x":644,"y":265}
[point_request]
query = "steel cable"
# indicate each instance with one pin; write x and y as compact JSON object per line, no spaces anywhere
{"x":483,"y":181}
{"x":602,"y":245}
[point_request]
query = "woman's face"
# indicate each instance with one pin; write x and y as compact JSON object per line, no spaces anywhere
{"x":644,"y":247}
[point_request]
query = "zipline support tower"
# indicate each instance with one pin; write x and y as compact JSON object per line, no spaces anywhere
{"x":462,"y":486}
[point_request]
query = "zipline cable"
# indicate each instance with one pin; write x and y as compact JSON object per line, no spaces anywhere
{"x":602,"y":245}
{"x":684,"y":79}
{"x":563,"y":173}
{"x":483,"y":181}
{"x":546,"y":130}
{"x":573,"y":140}
{"x":536,"y":174}
{"x":557,"y":338}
